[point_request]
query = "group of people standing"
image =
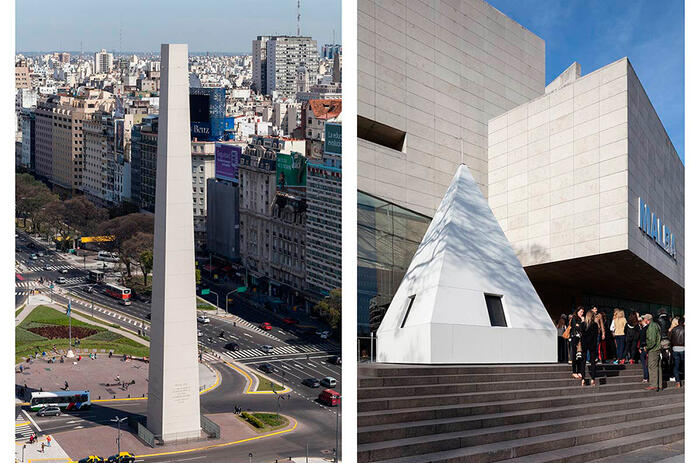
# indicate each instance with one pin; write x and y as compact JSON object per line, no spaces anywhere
{"x":584,"y":337}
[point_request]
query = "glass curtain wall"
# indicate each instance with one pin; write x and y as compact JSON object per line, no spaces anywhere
{"x":387,"y":239}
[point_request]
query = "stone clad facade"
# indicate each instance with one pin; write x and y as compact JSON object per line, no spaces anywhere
{"x":436,"y":73}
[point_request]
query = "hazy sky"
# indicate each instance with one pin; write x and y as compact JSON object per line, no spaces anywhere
{"x":597,"y":32}
{"x":206,"y":25}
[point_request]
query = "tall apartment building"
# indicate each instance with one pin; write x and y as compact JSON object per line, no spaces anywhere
{"x":285,"y":55}
{"x":28,"y":138}
{"x":98,"y":152}
{"x":104,"y":62}
{"x":202,"y":171}
{"x":260,"y":64}
{"x":22,"y":79}
{"x":59,"y":135}
{"x":324,"y":215}
{"x":330,"y":50}
{"x":144,"y":150}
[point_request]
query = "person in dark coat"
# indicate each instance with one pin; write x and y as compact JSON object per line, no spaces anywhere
{"x":643,"y":356}
{"x":577,"y":358}
{"x":589,"y":343}
{"x":632,"y":331}
{"x":664,"y":323}
{"x":678,"y":343}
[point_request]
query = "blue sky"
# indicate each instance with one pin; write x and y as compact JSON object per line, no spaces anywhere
{"x":206,"y":25}
{"x":597,"y":32}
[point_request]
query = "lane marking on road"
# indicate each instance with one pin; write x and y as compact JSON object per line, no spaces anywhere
{"x":32,"y":421}
{"x":249,"y":382}
{"x":225,"y":444}
{"x":24,"y":423}
{"x":246,"y":334}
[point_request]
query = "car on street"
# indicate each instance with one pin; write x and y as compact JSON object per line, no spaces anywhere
{"x":40,"y":254}
{"x":329,"y":397}
{"x":232,"y":346}
{"x":265,"y":326}
{"x":266,"y":348}
{"x":89,"y":289}
{"x":33,"y":257}
{"x":328,"y":381}
{"x":266,"y":368}
{"x":203,"y":319}
{"x":122,"y":457}
{"x":49,"y":411}
{"x":325,"y":334}
{"x":290,"y":321}
{"x":335,"y":360}
{"x":61,"y":280}
{"x":47,"y":267}
{"x":311,"y":382}
{"x":199,"y":333}
{"x":92,"y":459}
{"x":64,"y":270}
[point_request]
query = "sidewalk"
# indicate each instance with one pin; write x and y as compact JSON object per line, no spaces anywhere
{"x":32,"y":452}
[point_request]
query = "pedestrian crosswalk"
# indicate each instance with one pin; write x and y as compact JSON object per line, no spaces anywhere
{"x":27,"y":284}
{"x":52,"y":268}
{"x":118,"y":316}
{"x":23,"y":428}
{"x":278,"y":350}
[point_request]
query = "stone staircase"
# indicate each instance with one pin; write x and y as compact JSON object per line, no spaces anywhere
{"x":519,"y":413}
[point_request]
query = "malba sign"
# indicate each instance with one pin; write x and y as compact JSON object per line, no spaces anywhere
{"x":650,"y":223}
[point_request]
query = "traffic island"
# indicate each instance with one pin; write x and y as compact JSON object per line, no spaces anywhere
{"x":263,"y":422}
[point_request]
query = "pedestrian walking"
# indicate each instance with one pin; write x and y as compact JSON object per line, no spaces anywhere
{"x":65,"y":384}
{"x":42,"y":447}
{"x":589,"y":342}
{"x":618,"y":328}
{"x":48,"y":441}
{"x":577,"y":358}
{"x":632,"y":332}
{"x":653,"y":349}
{"x":678,"y":343}
{"x":21,"y":368}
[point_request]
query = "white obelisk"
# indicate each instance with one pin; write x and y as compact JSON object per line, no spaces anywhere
{"x":173,"y":388}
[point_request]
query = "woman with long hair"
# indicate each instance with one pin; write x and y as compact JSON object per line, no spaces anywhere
{"x":589,"y":343}
{"x":618,"y":329}
{"x":577,"y":358}
{"x":632,"y":331}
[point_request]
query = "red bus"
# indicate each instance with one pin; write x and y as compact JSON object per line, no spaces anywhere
{"x":119,"y":292}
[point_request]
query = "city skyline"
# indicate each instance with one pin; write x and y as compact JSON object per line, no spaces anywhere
{"x":139,"y":34}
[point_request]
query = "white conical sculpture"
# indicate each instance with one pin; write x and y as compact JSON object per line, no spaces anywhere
{"x":439,"y":313}
{"x":173,"y":379}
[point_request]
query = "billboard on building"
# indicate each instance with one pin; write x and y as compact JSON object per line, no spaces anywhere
{"x":227,"y":158}
{"x":291,"y":170}
{"x":334,"y":139}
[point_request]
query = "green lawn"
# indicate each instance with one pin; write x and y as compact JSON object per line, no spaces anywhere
{"x":265,"y":384}
{"x":204,"y":305}
{"x":264,"y":422}
{"x":26,"y":342}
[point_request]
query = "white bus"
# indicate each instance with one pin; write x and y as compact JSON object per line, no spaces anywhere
{"x":119,"y":292}
{"x":65,"y":400}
